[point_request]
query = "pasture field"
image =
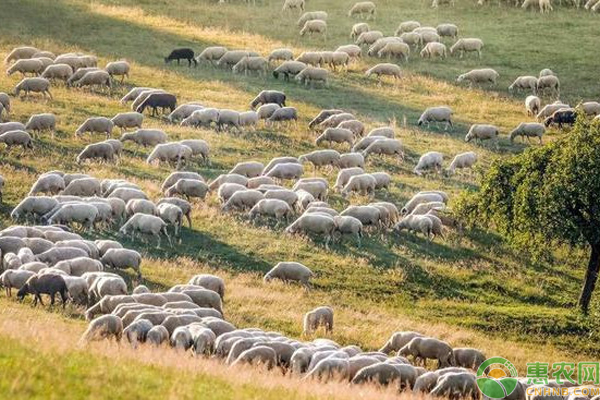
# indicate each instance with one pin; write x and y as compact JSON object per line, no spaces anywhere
{"x":469,"y":289}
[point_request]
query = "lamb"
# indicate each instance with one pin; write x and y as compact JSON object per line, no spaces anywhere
{"x":146,"y":224}
{"x":249,"y":169}
{"x":470,"y":45}
{"x":359,"y":28}
{"x":36,"y":85}
{"x":273,"y":207}
{"x":482,"y":132}
{"x":528,"y":130}
{"x":118,"y":68}
{"x":172,"y":152}
{"x":14,"y":278}
{"x":103,"y":327}
{"x":289,"y":4}
{"x":249,"y":64}
{"x":436,"y":114}
{"x":337,"y":135}
{"x":362,"y":8}
{"x":368,"y":38}
{"x":58,"y":71}
{"x":430,"y":160}
{"x":128,"y":120}
{"x":41,"y":122}
{"x":283,"y":114}
{"x":48,"y":183}
{"x":242,"y":200}
{"x":385,"y":146}
{"x":320,"y":316}
{"x":289,"y":271}
{"x":308,"y":16}
{"x":524,"y":83}
{"x":468,"y":358}
{"x":17,"y":138}
{"x":288,"y":69}
{"x":44,"y":284}
{"x":364,"y":183}
{"x":156,"y":101}
{"x":448,"y":30}
{"x":188,"y":188}
{"x":310,"y":75}
{"x":33,"y":206}
{"x":434,"y":49}
{"x":103,"y":151}
{"x":20,"y":53}
{"x":95,"y":78}
{"x":145,"y":137}
{"x":485,"y":75}
{"x":25,"y":66}
{"x":423,"y":348}
{"x":462,"y":161}
{"x":532,"y":105}
{"x":548,"y":82}
{"x":384,"y":69}
{"x":314,"y":26}
{"x":182,"y":54}
{"x":395,"y":49}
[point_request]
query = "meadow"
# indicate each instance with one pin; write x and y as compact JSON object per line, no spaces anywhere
{"x":469,"y":289}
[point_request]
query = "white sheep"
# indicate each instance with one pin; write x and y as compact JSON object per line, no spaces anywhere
{"x":385,"y":146}
{"x":526,"y":82}
{"x":469,"y":45}
{"x":286,"y":171}
{"x":359,"y":28}
{"x":118,"y":68}
{"x":251,"y":64}
{"x":58,"y":71}
{"x":533,"y":105}
{"x":363,"y":8}
{"x":368,"y":38}
{"x":351,"y":160}
{"x":273,"y":207}
{"x":119,"y":258}
{"x":103,"y":151}
{"x":96,"y":125}
{"x":548,"y":82}
{"x":481,"y":132}
{"x":384,"y":69}
{"x":146,"y":224}
{"x":367,"y":215}
{"x":310,"y":75}
{"x":449,"y":30}
{"x":41,"y":122}
{"x":128,"y":120}
{"x":462,"y":161}
{"x":25,"y":66}
{"x":430,"y":160}
{"x":83,"y":187}
{"x":36,"y":85}
{"x":172,"y":152}
{"x":98,"y":78}
{"x":199,"y":147}
{"x":84,"y":214}
{"x":48,"y":183}
{"x":335,"y":135}
{"x":320,"y":316}
{"x":344,"y":176}
{"x":19,"y":53}
{"x":188,"y":188}
{"x":544,"y":5}
{"x":363,"y":183}
{"x":437,"y":115}
{"x":528,"y":130}
{"x":249,"y":169}
{"x":314,"y":26}
{"x":434,"y":49}
{"x":485,"y":75}
{"x":17,"y":138}
{"x":291,"y":4}
{"x":225,"y":178}
{"x":290,"y":271}
{"x":212,"y":54}
{"x":423,"y":197}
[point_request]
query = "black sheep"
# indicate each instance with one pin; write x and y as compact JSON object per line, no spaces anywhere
{"x":44,"y":284}
{"x":156,"y":100}
{"x":269,"y":96}
{"x":561,"y":117}
{"x":182,"y":54}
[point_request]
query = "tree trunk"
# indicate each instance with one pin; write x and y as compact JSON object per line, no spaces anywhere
{"x":591,"y":276}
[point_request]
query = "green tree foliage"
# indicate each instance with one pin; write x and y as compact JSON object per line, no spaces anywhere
{"x":546,"y":195}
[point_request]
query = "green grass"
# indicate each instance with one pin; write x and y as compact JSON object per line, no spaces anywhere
{"x":470,"y":289}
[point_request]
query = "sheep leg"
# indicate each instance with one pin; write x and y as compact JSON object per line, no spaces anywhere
{"x":38,"y":297}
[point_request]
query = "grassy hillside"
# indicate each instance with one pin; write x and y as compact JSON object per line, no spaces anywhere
{"x":469,"y":289}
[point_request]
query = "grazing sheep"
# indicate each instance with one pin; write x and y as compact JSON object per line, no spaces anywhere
{"x":481,"y":132}
{"x":283,"y":114}
{"x":290,"y":4}
{"x":367,"y":215}
{"x":250,"y":64}
{"x":230,"y":58}
{"x":384,"y":374}
{"x":26,"y":66}
{"x":485,"y":75}
{"x":254,"y":183}
{"x":359,"y":28}
{"x":437,"y":115}
{"x":412,"y":39}
{"x":243,"y":200}
{"x":289,"y":69}
{"x":103,"y":151}
{"x":457,"y":385}
{"x":462,"y":161}
{"x":19,"y":53}
{"x":286,"y":171}
{"x":210,"y":282}
{"x":311,"y":75}
{"x":145,"y":137}
{"x":548,"y":82}
{"x":118,"y":68}
{"x":41,"y":122}
{"x":363,"y":8}
{"x":550,"y":109}
{"x":259,"y":355}
{"x":289,"y":196}
{"x":58,"y":71}
{"x":528,"y":130}
{"x":128,"y":120}
{"x":385,"y":146}
{"x":314,"y":26}
{"x":335,"y":135}
{"x":546,"y":72}
{"x":266,"y":110}
{"x":289,"y":271}
{"x":544,"y":5}
{"x":96,"y":125}
{"x":142,"y":96}
{"x":307,"y":16}
{"x":182,"y":54}
{"x":344,"y":176}
{"x":352,"y":50}
{"x":171,"y":152}
{"x":14,"y":279}
{"x":434,"y":49}
{"x":560,"y":117}
{"x":17,"y":138}
{"x":328,"y":369}
{"x":44,"y":284}
{"x":146,"y":224}
{"x":532,"y":105}
{"x":36,"y":85}
{"x":184,"y":111}
{"x":320,"y":316}
{"x":204,"y":117}
{"x":524,"y":83}
{"x":34,"y":207}
{"x":448,"y":30}
{"x":211,"y":54}
{"x":273,"y":207}
{"x":364,"y":184}
{"x":4,"y":103}
{"x":227,"y":178}
{"x":468,"y":358}
{"x":395,"y":49}
{"x":249,"y":169}
{"x":398,"y":340}
{"x":156,"y":101}
{"x":351,"y":160}
{"x":227,"y":190}
{"x":104,"y":327}
{"x":48,"y":183}
{"x":157,"y":335}
{"x":407,"y":26}
{"x":384,"y":69}
{"x":590,"y":108}
{"x":368,"y":38}
{"x":430,"y":160}
{"x":423,"y":348}
{"x":188,"y":188}
{"x":418,"y":224}
{"x":470,"y":45}
{"x":98,"y":78}
{"x":83,"y":187}
{"x":85,"y":214}
{"x":312,"y":58}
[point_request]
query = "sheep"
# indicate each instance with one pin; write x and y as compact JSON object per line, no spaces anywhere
{"x":310,"y":75}
{"x":249,"y":64}
{"x":384,"y":69}
{"x":182,"y":54}
{"x":437,"y":115}
{"x":140,"y":205}
{"x":227,"y":190}
{"x":171,"y":152}
{"x":98,"y":78}
{"x":211,"y":54}
{"x":20,"y":53}
{"x":145,"y":137}
{"x":524,"y":83}
{"x":11,"y":126}
{"x":36,"y":85}
{"x":229,"y":118}
{"x":289,"y":69}
{"x":312,"y":58}
{"x":462,"y":161}
{"x":4,"y":103}
{"x":285,"y":171}
{"x":590,"y":108}
{"x":532,"y":105}
{"x":290,"y":271}
{"x":307,"y":16}
{"x":118,"y":68}
{"x":407,"y":26}
{"x":25,"y":66}
{"x":365,"y":142}
{"x":325,"y":115}
{"x":398,"y":340}
{"x":339,"y":59}
{"x":157,"y":335}
{"x":423,"y":348}
{"x":468,"y":358}
{"x":188,"y":188}
{"x":395,"y":49}
{"x":259,"y":355}
{"x":202,"y":117}
{"x":382,"y":180}
{"x":544,"y":5}
{"x":183,"y":205}
{"x":289,"y":196}
{"x":320,"y":158}
{"x":380,"y":44}
{"x":103,"y":327}
{"x":385,"y":146}
{"x":14,"y":278}
{"x":367,"y":215}
{"x":351,"y":160}
{"x":142,"y":96}
{"x":289,"y":4}
{"x":385,"y":373}
{"x":83,"y":187}
{"x":563,"y":116}
{"x":103,"y":151}
{"x":528,"y":130}
{"x":228,"y":178}
{"x":448,"y":30}
{"x":418,"y":224}
{"x":430,"y":160}
{"x":412,"y":39}
{"x":283,"y":114}
{"x":314,"y":26}
{"x":485,"y":75}
{"x":266,"y":110}
{"x":44,"y":284}
{"x":482,"y":132}
{"x":368,"y":38}
{"x":273,"y":207}
{"x":548,"y":82}
{"x":80,"y":72}
{"x":183,"y":111}
{"x":127,"y":193}
{"x":158,"y":100}
{"x":48,"y":183}
{"x":335,"y":135}
{"x":175,"y":176}
{"x":329,"y":368}
{"x":128,"y":120}
{"x":17,"y":138}
{"x":249,"y":169}
{"x":58,"y":71}
{"x":344,"y":176}
{"x":434,"y":49}
{"x":463,"y":46}
{"x":315,"y":188}
{"x":85,"y":214}
{"x":41,"y":122}
{"x":456,"y":385}
{"x":254,"y":183}
{"x":364,"y":183}
{"x":210,"y":282}
{"x":79,"y":265}
{"x":359,"y":28}
{"x":146,"y":224}
{"x":550,"y":109}
{"x":362,"y":8}
{"x":320,"y":316}
{"x":546,"y":72}
{"x":232,"y":57}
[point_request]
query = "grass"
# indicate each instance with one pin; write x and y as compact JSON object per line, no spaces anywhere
{"x":468,"y":289}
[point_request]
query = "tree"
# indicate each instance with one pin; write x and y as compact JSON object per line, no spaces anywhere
{"x":546,"y":195}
